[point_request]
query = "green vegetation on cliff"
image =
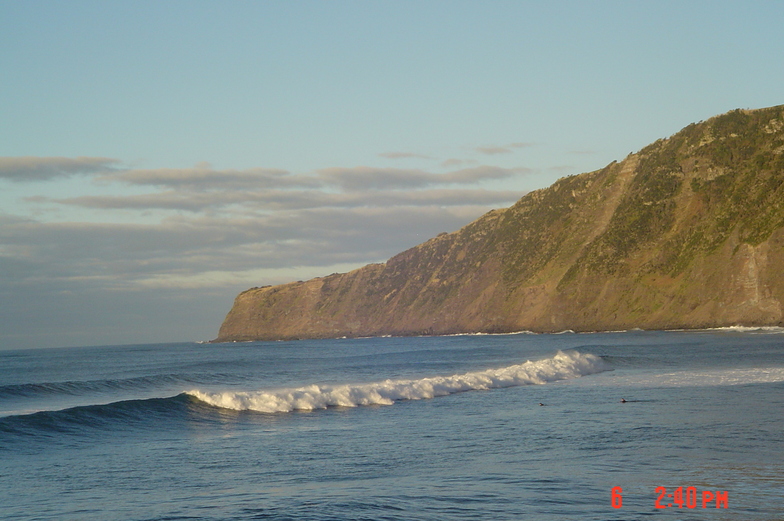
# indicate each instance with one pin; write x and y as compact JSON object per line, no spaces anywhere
{"x":686,"y":233}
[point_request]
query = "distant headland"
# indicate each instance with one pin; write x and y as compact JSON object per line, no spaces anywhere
{"x":687,"y":233}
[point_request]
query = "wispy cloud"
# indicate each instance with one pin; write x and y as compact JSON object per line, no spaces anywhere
{"x":368,"y":178}
{"x":493,"y":150}
{"x":132,"y":234}
{"x":481,"y":173}
{"x":502,"y":149}
{"x":203,"y":177}
{"x":403,"y":155}
{"x":26,"y":169}
{"x":201,"y":218}
{"x":276,"y":200}
{"x":120,"y":254}
{"x":448,"y":163}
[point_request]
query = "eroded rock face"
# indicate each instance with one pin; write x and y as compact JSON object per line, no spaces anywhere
{"x":686,"y":233}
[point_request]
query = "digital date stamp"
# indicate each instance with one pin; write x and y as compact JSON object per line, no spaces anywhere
{"x":681,"y":497}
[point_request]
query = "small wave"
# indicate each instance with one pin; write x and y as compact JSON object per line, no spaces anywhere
{"x":562,"y":366}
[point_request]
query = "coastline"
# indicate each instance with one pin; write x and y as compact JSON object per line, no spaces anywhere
{"x":739,"y":328}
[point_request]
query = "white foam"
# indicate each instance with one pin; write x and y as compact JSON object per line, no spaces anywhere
{"x":756,"y":375}
{"x":522,"y":332}
{"x":771,"y":330}
{"x":562,"y":366}
{"x":694,"y":378}
{"x":766,"y":330}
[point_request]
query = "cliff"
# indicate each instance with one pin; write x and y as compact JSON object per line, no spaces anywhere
{"x":686,"y":233}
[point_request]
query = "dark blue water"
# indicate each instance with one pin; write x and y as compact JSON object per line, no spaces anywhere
{"x":441,"y":428}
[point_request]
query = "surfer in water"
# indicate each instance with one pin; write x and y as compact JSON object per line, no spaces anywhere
{"x":623,"y":400}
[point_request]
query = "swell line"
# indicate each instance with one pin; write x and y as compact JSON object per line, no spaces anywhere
{"x":77,"y":388}
{"x":88,"y":419}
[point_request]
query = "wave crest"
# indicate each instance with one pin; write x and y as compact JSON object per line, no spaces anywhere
{"x":562,"y":366}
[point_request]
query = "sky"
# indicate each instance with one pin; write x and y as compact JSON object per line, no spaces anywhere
{"x":157,"y":158}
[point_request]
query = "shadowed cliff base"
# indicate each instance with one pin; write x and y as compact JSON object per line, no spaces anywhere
{"x":687,"y":233}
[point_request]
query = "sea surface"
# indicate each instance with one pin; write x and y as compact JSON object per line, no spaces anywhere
{"x":501,"y":427}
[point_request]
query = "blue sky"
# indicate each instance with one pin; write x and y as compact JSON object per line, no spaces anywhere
{"x":156,"y":158}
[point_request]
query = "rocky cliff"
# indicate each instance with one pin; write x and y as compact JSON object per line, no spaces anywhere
{"x":686,"y":233}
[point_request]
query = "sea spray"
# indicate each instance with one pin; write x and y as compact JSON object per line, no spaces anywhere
{"x":562,"y":366}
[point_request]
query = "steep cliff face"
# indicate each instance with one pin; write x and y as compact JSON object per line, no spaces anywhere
{"x":686,"y":233}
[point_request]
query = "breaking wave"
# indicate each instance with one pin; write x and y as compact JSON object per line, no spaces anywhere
{"x":562,"y":366}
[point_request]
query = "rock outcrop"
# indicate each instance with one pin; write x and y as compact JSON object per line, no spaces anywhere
{"x":686,"y":233}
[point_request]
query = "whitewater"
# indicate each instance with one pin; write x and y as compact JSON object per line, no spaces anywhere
{"x":501,"y":427}
{"x":562,"y":366}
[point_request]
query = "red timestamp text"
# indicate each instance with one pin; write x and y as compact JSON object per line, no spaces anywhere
{"x":688,"y":497}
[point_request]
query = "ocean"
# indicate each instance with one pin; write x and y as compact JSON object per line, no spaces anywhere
{"x":601,"y":426}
